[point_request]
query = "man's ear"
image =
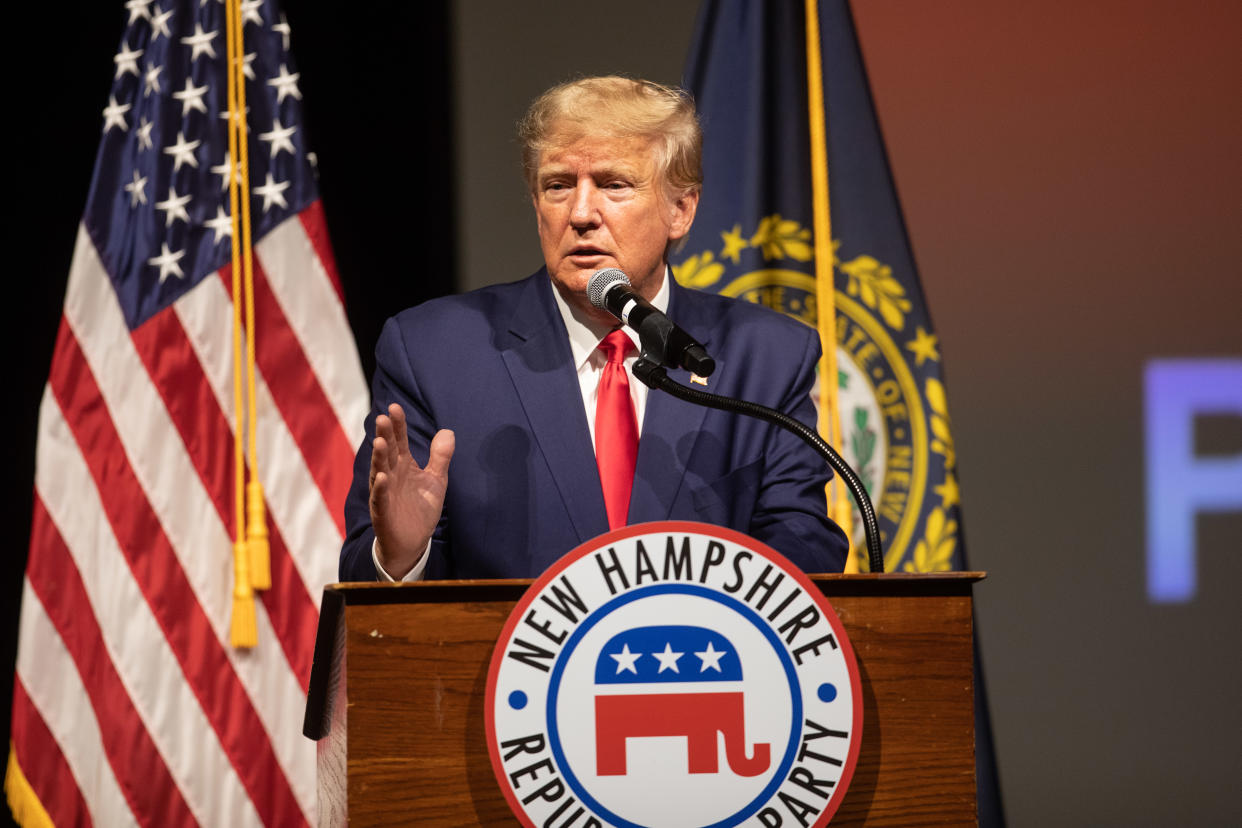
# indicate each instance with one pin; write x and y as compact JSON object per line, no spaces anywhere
{"x":682,"y":209}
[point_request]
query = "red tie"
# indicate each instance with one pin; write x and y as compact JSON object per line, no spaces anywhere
{"x":616,"y":429}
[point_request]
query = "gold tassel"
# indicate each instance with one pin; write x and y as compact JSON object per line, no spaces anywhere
{"x":256,"y":537}
{"x":244,"y":631}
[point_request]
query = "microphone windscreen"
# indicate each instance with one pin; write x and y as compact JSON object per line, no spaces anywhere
{"x":601,"y":282}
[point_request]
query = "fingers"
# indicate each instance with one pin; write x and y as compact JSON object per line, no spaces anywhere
{"x":379,"y":458}
{"x":442,"y":446}
{"x":381,"y":446}
{"x":401,"y":437}
{"x":391,"y":446}
{"x":392,"y":442}
{"x":379,"y":492}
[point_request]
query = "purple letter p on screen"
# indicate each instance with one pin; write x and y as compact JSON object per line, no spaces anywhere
{"x":1179,"y":483}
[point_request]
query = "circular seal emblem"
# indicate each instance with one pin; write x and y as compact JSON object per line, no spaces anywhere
{"x":884,"y":426}
{"x":891,"y":406}
{"x":673,"y":674}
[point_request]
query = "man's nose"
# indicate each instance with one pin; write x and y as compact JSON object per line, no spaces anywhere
{"x":585,"y":211}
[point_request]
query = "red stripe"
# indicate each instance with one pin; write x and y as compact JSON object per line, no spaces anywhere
{"x":43,"y":764}
{"x":149,"y":788}
{"x":299,"y":398}
{"x":159,"y":575}
{"x":179,"y":378}
{"x":293,"y":613}
{"x":316,"y":226}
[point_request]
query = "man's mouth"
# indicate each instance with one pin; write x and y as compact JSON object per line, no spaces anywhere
{"x":586,"y":253}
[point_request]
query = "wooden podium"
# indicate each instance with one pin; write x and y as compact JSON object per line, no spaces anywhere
{"x":404,"y":744}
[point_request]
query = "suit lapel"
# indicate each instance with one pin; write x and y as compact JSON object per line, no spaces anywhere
{"x":670,"y":427}
{"x":538,"y":358}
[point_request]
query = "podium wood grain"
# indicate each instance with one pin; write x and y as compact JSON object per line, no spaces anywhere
{"x":412,"y":662}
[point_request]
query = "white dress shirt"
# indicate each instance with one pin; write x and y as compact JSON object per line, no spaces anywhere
{"x":585,"y":334}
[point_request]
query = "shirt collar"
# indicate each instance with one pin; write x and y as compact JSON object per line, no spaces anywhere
{"x":585,"y":333}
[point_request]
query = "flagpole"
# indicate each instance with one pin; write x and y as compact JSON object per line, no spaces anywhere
{"x":825,"y":287}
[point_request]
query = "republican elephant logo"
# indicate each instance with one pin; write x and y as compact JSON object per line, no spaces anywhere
{"x":673,"y":681}
{"x":718,"y":689}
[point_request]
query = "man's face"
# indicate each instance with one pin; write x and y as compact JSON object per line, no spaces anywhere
{"x":599,"y":203}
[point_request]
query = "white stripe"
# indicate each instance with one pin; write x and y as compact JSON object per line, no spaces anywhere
{"x":311,"y":305}
{"x":134,"y":641}
{"x":167,"y":475}
{"x":310,"y":533}
{"x":56,"y":691}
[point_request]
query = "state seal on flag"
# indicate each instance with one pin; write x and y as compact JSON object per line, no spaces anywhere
{"x":886,"y":425}
{"x":673,"y":674}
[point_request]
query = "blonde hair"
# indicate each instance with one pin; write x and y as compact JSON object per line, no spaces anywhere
{"x":619,"y":107}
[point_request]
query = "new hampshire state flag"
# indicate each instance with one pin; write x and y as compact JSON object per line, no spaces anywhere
{"x":755,"y":237}
{"x":799,"y":213}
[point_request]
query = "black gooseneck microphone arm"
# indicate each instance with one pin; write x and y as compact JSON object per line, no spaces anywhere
{"x":653,"y":375}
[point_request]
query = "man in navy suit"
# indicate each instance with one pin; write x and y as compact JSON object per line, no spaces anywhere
{"x":497,"y":389}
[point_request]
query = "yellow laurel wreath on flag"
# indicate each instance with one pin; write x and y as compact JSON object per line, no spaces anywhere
{"x":872,"y":281}
{"x":934,"y":553}
{"x":698,"y":271}
{"x":783,"y":239}
{"x":942,"y":436}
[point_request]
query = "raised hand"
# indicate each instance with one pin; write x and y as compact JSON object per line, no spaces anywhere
{"x":406,"y":500}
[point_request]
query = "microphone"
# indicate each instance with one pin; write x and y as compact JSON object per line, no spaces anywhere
{"x":610,"y":290}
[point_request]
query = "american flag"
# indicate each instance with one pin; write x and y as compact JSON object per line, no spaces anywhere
{"x":130,"y":705}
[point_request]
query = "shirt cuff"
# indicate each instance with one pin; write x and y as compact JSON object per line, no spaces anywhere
{"x":415,"y":574}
